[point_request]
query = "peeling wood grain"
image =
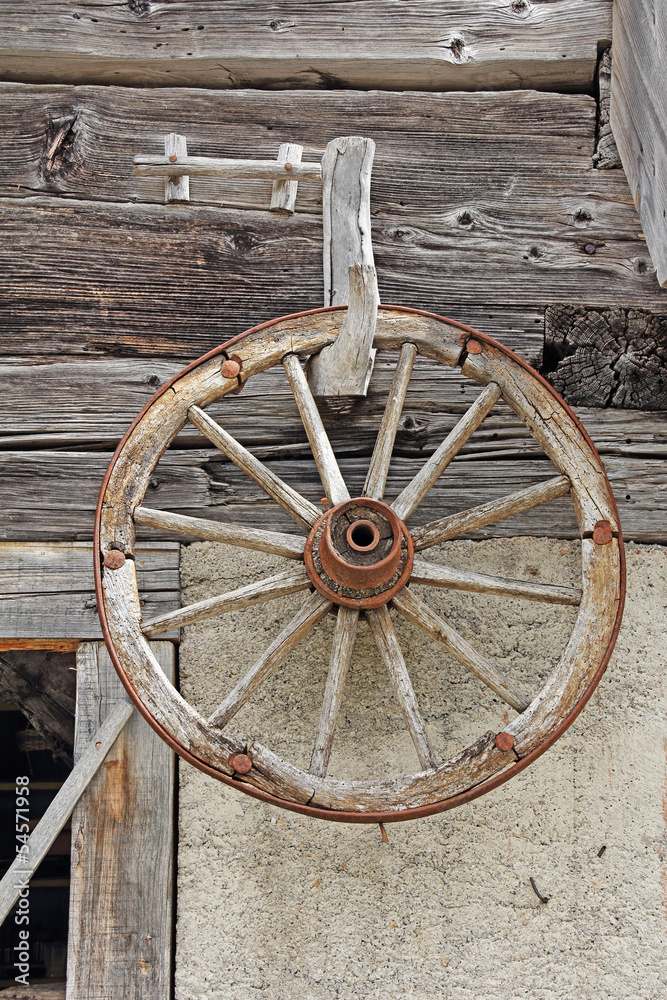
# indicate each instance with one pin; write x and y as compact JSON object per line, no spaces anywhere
{"x":606,"y":154}
{"x":110,"y":125}
{"x":453,"y":44}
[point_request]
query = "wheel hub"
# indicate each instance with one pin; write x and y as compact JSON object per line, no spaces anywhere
{"x":359,"y":553}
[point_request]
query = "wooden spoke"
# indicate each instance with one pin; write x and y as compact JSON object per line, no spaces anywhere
{"x":280,"y":585}
{"x":303,"y":511}
{"x":332,"y":481}
{"x":384,"y":445}
{"x":311,"y":612}
{"x":446,"y":528}
{"x":341,"y":654}
{"x":413,"y":608}
{"x":457,"y":579}
{"x":406,"y":503}
{"x":289,"y":546}
{"x":387,"y":643}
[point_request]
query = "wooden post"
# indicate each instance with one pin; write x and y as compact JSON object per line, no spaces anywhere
{"x":638,"y":101}
{"x":120,"y":923}
{"x":344,"y":368}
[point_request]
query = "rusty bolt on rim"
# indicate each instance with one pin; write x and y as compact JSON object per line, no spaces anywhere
{"x":241,"y":763}
{"x":474,"y":347}
{"x":172,"y":159}
{"x":114,"y":559}
{"x":230,"y":368}
{"x":504,"y":741}
{"x":602,"y":533}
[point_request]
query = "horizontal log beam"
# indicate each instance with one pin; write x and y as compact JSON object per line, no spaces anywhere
{"x":434,"y":46}
{"x":53,"y":495}
{"x":47,"y":590}
{"x":56,"y":405}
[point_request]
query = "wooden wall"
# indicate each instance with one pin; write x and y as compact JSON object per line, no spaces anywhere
{"x":489,"y":206}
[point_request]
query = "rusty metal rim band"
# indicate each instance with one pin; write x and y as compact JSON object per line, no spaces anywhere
{"x":341,"y":816}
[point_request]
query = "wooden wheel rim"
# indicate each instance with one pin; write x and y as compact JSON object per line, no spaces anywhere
{"x":482,"y":766}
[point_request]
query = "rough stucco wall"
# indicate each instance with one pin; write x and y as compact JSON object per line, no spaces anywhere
{"x":275,"y":905}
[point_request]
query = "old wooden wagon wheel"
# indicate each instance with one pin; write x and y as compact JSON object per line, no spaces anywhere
{"x":359,"y":557}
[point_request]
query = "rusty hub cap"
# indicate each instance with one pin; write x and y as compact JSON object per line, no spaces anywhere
{"x":359,"y":553}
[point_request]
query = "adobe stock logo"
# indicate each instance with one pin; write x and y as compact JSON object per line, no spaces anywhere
{"x":22,"y":916}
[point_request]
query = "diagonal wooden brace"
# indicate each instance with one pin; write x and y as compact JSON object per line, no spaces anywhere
{"x":344,"y":368}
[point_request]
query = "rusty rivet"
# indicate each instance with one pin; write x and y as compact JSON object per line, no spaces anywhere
{"x":98,"y":746}
{"x":504,"y":741}
{"x":474,"y":347}
{"x":241,"y":763}
{"x":288,"y":166}
{"x":172,"y":159}
{"x":602,"y":533}
{"x":114,"y":559}
{"x":230,"y":368}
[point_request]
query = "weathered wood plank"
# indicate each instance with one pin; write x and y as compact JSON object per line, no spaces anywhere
{"x":52,"y":495}
{"x":47,"y":590}
{"x":120,"y":924}
{"x":638,"y":100}
{"x":57,"y":405}
{"x":84,"y":277}
{"x":535,"y":222}
{"x":534,"y":136}
{"x":426,"y":45}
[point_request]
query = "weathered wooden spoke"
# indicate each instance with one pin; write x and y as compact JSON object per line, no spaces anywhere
{"x":327,"y":466}
{"x":276,"y":542}
{"x":281,"y":585}
{"x":303,"y":511}
{"x":413,"y":608}
{"x":303,"y":622}
{"x":435,"y":575}
{"x":359,"y":558}
{"x":341,"y":654}
{"x":390,"y":650}
{"x":409,"y":499}
{"x":446,"y":528}
{"x":376,"y":479}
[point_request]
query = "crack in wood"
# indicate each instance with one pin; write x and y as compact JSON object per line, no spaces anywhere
{"x":607,"y":357}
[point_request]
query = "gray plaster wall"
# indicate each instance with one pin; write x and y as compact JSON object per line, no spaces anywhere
{"x":279,"y":906}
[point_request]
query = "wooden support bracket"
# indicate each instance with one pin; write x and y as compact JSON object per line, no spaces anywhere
{"x":176,"y":188}
{"x":344,"y":368}
{"x":177,"y":168}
